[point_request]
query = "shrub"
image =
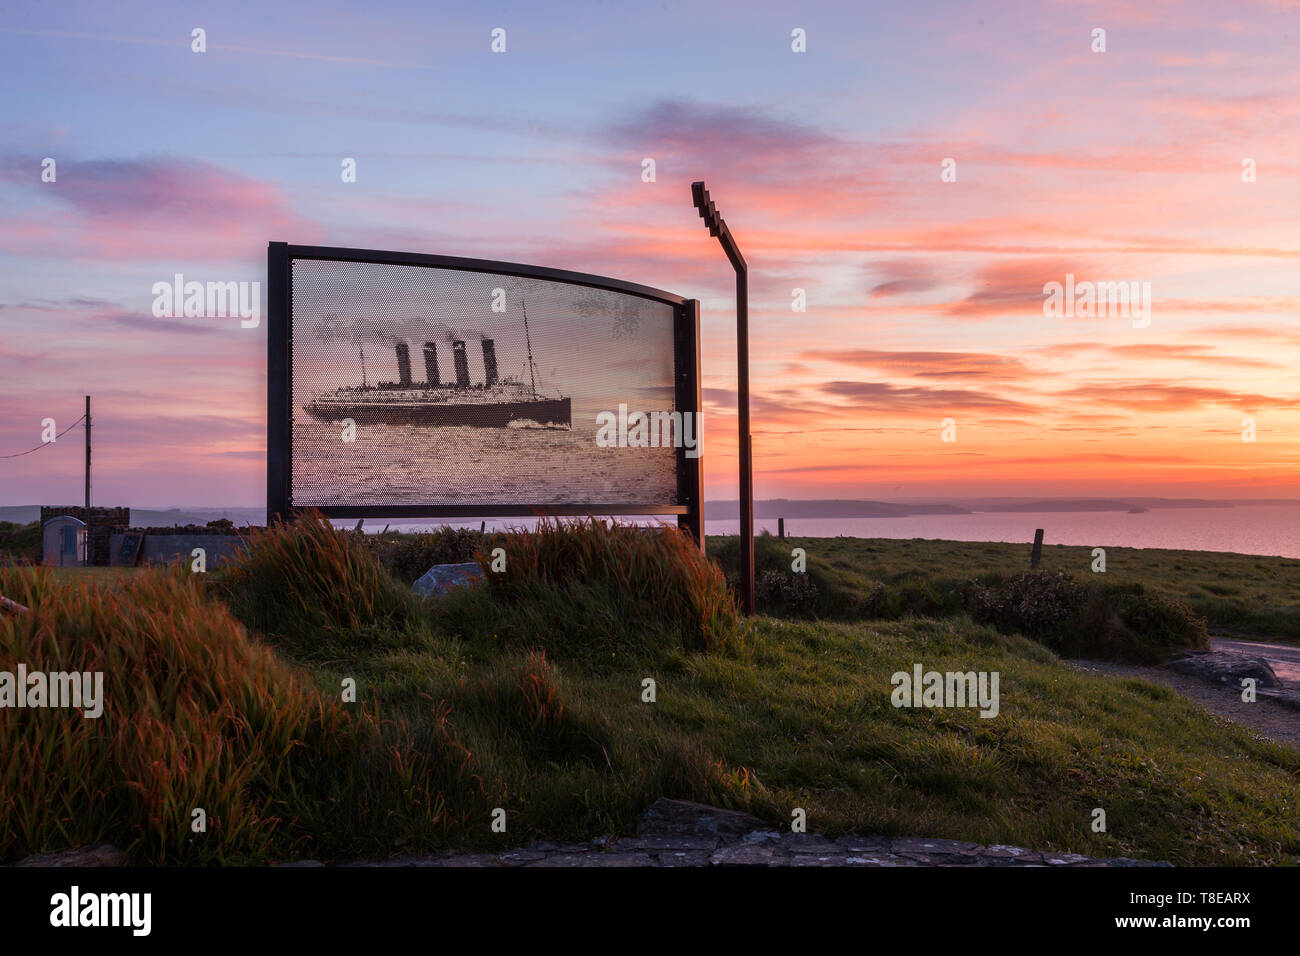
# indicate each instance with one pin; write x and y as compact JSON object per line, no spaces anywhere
{"x":1073,"y":618}
{"x":776,"y":591}
{"x":912,"y":594}
{"x":223,"y":526}
{"x":196,"y":715}
{"x":821,"y":591}
{"x":1129,"y":623}
{"x":879,"y":602}
{"x":20,"y":542}
{"x":319,"y":591}
{"x":408,"y":556}
{"x":1034,"y":603}
{"x":1120,"y":622}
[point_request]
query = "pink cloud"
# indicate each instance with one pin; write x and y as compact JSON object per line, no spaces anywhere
{"x":152,"y":209}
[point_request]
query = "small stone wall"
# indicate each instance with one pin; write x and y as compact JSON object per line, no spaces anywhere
{"x":167,"y":548}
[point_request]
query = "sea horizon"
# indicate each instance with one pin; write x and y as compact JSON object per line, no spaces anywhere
{"x":1240,"y":526}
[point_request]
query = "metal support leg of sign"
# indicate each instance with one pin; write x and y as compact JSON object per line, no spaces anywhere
{"x":745,"y":446}
{"x":277,"y":381}
{"x":690,"y":460}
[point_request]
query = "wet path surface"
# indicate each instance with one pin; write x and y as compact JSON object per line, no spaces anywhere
{"x":1283,"y":658}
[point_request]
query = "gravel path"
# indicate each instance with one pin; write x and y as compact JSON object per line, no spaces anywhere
{"x":1271,"y":719}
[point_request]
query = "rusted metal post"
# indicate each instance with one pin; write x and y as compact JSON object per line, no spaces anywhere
{"x":718,"y":227}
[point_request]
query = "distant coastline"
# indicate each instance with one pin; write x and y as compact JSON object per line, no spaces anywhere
{"x":904,"y":508}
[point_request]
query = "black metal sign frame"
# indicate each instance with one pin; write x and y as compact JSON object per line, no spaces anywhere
{"x":279,"y":457}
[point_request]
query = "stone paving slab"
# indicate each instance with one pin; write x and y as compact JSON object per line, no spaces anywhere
{"x":679,"y":833}
{"x":93,"y":854}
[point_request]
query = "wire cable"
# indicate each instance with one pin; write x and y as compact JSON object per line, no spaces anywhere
{"x":47,"y":443}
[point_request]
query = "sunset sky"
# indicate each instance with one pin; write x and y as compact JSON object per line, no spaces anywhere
{"x":924,"y":297}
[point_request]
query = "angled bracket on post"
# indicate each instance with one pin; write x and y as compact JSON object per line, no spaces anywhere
{"x":718,"y":228}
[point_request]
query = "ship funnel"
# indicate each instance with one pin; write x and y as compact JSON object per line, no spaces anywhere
{"x":403,"y":363}
{"x":462,"y":363}
{"x":489,"y":362}
{"x":431,"y":364}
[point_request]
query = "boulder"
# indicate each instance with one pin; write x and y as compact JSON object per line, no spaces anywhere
{"x":1225,"y":669}
{"x":678,"y":818}
{"x":93,"y":854}
{"x":442,"y":579}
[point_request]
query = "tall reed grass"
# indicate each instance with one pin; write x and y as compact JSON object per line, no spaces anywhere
{"x":319,"y":590}
{"x":197,"y":716}
{"x":590,"y":588}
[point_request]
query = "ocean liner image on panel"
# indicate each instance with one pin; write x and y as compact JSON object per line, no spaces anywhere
{"x":493,"y":404}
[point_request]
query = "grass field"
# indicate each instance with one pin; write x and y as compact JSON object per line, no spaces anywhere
{"x":803,"y":719}
{"x":1240,"y":593}
{"x":529,"y":696}
{"x":1236,"y":593}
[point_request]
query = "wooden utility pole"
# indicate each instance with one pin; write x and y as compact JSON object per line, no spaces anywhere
{"x":90,"y":538}
{"x":87,"y":458}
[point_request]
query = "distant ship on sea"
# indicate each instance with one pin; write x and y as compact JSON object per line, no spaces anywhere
{"x":494,"y":404}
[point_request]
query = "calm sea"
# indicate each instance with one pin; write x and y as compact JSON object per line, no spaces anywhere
{"x":1262,"y":529}
{"x":1247,"y":529}
{"x":393,"y":464}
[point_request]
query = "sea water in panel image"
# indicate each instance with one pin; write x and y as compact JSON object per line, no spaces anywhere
{"x":418,"y":385}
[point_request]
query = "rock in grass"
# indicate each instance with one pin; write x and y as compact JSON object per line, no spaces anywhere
{"x":1223,"y":668}
{"x":93,"y":854}
{"x":442,"y":579}
{"x":667,"y":817}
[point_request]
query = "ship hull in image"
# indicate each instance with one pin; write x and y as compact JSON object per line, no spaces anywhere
{"x":494,"y":403}
{"x":543,"y":411}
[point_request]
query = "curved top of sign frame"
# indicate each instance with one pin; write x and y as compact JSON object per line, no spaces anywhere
{"x":688,"y":505}
{"x":479,"y":265}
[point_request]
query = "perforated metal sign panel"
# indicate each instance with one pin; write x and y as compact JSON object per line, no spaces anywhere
{"x":416,"y":385}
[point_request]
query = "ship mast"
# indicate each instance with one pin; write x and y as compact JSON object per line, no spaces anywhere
{"x":532,"y":370}
{"x":363,"y":366}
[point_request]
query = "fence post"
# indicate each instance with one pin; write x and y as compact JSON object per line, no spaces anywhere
{"x":1038,"y":550}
